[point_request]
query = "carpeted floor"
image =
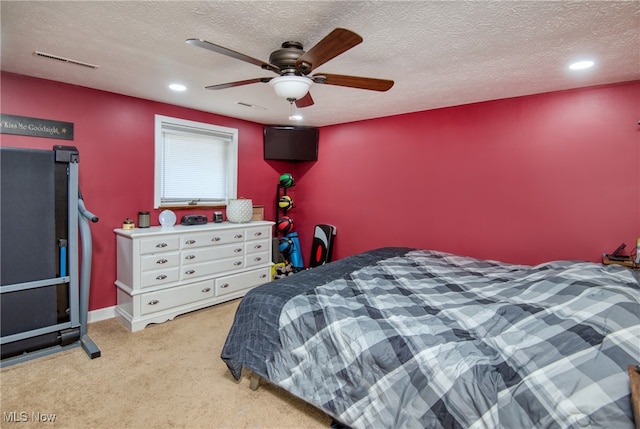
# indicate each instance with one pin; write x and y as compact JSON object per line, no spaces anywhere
{"x":168,"y":375}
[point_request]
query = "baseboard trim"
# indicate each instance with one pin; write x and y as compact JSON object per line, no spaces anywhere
{"x":101,"y":314}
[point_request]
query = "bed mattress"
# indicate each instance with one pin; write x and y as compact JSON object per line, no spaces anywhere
{"x":401,"y":337}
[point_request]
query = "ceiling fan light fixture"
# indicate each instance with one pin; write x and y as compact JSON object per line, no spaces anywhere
{"x":288,"y":87}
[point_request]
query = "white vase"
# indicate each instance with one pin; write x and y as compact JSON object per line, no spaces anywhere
{"x":240,"y":210}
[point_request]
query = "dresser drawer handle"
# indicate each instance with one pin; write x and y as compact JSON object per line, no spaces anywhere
{"x":263,"y":276}
{"x":153,"y":302}
{"x":161,"y":277}
{"x":161,"y":261}
{"x":257,"y":234}
{"x":206,"y":290}
{"x":161,"y":245}
{"x":190,"y":242}
{"x":238,"y":236}
{"x":258,"y":258}
{"x":258,"y":246}
{"x":237,"y":250}
{"x":190,"y":257}
{"x":225,"y":285}
{"x":216,"y":239}
{"x":189,"y":272}
{"x":237,"y":263}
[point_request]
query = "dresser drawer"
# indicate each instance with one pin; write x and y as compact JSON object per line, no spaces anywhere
{"x":258,"y":233}
{"x":200,"y":239}
{"x":256,"y":259}
{"x":159,"y":244}
{"x":235,"y":282}
{"x":257,"y":246}
{"x":160,"y":261}
{"x":160,"y":277}
{"x":211,"y":267}
{"x":204,"y":254}
{"x":174,"y":297}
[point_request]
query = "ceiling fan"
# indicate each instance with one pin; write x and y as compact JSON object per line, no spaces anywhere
{"x":293,"y":65}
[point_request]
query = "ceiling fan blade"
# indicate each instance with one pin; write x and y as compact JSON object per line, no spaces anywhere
{"x":239,"y":83}
{"x":305,"y":101}
{"x":335,"y":43}
{"x":233,"y":54}
{"x":354,"y":82}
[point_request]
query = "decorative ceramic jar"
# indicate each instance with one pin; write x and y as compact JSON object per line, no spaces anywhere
{"x":240,"y":210}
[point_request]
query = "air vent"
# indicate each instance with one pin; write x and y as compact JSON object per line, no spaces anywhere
{"x":64,"y":60}
{"x":255,"y":106}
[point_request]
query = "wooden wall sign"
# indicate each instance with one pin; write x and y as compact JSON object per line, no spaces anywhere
{"x":35,"y":127}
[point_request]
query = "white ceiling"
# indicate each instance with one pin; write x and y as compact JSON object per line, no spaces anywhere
{"x":439,"y":53}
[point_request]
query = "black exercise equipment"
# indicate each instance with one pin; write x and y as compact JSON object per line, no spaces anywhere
{"x":44,"y":297}
{"x":322,"y":245}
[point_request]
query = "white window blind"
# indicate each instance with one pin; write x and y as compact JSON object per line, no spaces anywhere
{"x":196,"y":163}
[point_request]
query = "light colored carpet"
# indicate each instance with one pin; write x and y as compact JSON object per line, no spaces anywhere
{"x":168,"y":375}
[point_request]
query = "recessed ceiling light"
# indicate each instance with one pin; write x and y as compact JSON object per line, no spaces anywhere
{"x":295,"y":114}
{"x":177,"y":87}
{"x":580,"y":65}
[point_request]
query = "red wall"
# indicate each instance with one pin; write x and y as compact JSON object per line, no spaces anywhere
{"x":114,"y":135}
{"x":552,"y":176}
{"x":525,"y":180}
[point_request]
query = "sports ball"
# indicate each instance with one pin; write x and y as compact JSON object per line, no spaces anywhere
{"x":286,"y":180}
{"x":284,"y":225}
{"x":285,"y":245}
{"x":285,"y":202}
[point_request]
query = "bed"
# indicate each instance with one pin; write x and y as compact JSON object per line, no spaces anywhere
{"x":403,"y":338}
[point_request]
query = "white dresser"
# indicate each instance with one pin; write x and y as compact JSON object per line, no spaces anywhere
{"x":164,"y":272}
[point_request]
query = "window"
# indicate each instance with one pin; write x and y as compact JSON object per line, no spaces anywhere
{"x":195,"y":163}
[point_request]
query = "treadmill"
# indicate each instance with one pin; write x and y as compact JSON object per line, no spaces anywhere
{"x":44,"y":293}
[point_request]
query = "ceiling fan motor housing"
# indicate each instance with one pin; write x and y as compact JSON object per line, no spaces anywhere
{"x":285,"y":57}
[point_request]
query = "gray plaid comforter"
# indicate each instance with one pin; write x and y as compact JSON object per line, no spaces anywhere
{"x":430,"y":340}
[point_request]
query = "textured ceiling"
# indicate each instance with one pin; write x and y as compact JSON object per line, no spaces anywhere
{"x":439,"y":53}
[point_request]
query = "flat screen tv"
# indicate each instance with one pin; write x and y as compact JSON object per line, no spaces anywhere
{"x":288,"y":143}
